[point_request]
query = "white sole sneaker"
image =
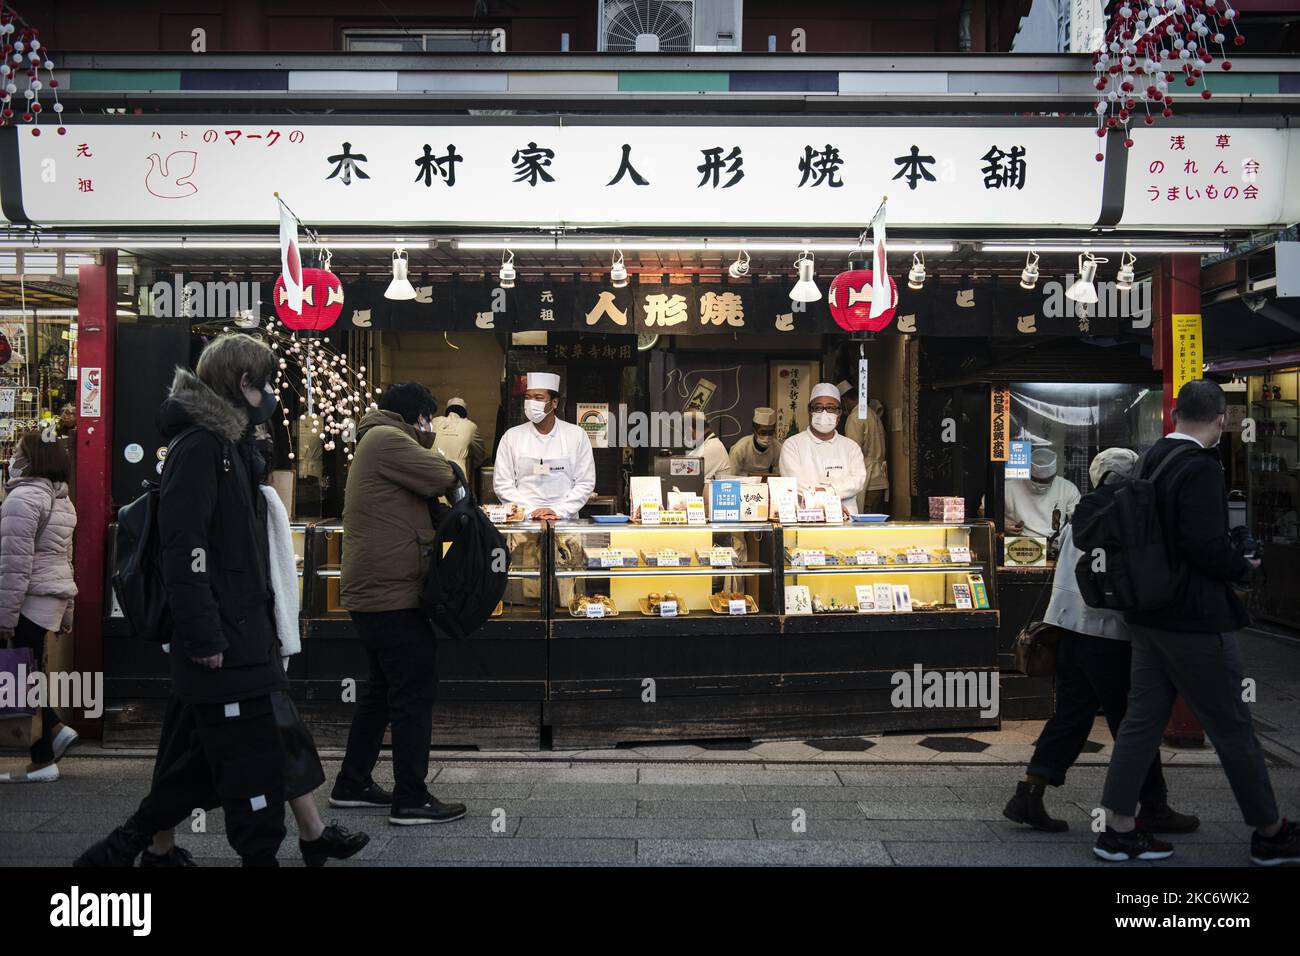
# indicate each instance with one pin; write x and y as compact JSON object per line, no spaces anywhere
{"x":1119,"y":857}
{"x":64,"y":739}
{"x":47,"y":774}
{"x":421,"y":821}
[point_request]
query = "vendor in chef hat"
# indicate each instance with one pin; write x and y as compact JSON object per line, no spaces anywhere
{"x":820,"y":457}
{"x":544,"y":465}
{"x":758,"y":454}
{"x":1042,"y":505}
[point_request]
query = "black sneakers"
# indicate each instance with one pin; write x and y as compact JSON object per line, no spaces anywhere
{"x":344,"y":795}
{"x":434,"y":811}
{"x":1137,"y":844}
{"x":1165,"y":819}
{"x":176,"y":856}
{"x":335,"y":843}
{"x":1279,"y":850}
{"x":119,"y":848}
{"x":1027,"y":807}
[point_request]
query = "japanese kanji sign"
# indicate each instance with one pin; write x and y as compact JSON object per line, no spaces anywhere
{"x":1187,"y":354}
{"x":999,"y":423}
{"x":480,"y":171}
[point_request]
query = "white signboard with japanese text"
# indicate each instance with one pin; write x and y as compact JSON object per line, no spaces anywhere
{"x":1182,"y":177}
{"x":510,"y":175}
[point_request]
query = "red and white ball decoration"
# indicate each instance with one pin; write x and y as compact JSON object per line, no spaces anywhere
{"x":322,"y":301}
{"x":22,"y":58}
{"x":850,"y":302}
{"x":1147,"y":46}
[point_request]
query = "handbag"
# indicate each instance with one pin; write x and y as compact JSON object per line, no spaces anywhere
{"x":1036,"y":644}
{"x":17,"y":664}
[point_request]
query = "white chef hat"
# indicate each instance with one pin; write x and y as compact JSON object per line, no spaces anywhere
{"x":1120,"y":461}
{"x":458,"y":403}
{"x":765,"y":416}
{"x":1042,"y":464}
{"x":824,"y":390}
{"x":845,"y":386}
{"x":546,"y":380}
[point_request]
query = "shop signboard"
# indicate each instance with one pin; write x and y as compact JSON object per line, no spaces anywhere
{"x":593,"y":418}
{"x":999,"y":423}
{"x":679,"y":171}
{"x":1187,"y":350}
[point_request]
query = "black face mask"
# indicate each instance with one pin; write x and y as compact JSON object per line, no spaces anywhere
{"x":262,"y":412}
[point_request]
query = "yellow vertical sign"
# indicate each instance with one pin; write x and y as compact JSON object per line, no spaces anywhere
{"x":999,"y":422}
{"x":1187,"y":354}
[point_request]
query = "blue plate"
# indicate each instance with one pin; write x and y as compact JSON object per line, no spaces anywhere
{"x":865,"y":519}
{"x":610,"y":519}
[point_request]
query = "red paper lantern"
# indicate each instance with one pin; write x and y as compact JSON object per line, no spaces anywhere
{"x":6,"y":350}
{"x":850,"y":302}
{"x":322,"y":301}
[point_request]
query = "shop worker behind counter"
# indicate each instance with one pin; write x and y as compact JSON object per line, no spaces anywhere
{"x":544,"y":465}
{"x":820,"y":457}
{"x":1190,"y":647}
{"x":458,"y":438}
{"x":758,"y":455}
{"x":387,"y":531}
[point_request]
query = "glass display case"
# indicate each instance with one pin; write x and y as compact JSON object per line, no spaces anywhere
{"x":1274,"y":494}
{"x":298,"y":531}
{"x":668,"y":571}
{"x":323,"y":559}
{"x":887,"y":568}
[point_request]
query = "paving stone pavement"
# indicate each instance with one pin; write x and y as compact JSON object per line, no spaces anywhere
{"x":667,"y":814}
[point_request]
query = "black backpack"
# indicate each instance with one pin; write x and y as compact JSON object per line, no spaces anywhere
{"x":1122,"y":519}
{"x":463,"y":586}
{"x":137,"y":573}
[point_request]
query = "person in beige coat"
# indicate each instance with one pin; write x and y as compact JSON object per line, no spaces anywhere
{"x":459,"y":439}
{"x":387,"y":532}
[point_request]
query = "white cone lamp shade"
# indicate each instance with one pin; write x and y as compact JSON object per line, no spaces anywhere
{"x":805,"y":290}
{"x":1127,"y":274}
{"x":1029,"y":274}
{"x":1082,"y":289}
{"x":508,"y":273}
{"x":400,"y":288}
{"x":916,"y":275}
{"x":618,"y":272}
{"x":740,"y":268}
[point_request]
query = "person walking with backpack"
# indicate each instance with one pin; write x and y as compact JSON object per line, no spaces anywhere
{"x":37,"y":521}
{"x":1190,"y":647}
{"x":220,"y":741}
{"x":387,"y":532}
{"x":1093,"y":656}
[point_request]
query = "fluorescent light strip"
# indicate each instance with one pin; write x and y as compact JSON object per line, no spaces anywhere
{"x":51,"y":313}
{"x":125,"y":242}
{"x":682,"y":245}
{"x":1147,"y":248}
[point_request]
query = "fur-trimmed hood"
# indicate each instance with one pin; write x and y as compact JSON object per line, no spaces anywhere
{"x":191,"y":402}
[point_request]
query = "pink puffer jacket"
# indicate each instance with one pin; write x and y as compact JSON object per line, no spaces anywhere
{"x":29,"y":566}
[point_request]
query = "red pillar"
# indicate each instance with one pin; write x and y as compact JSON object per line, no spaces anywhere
{"x":1176,"y":289}
{"x":96,"y":334}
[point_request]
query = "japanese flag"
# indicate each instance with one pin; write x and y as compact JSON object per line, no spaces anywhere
{"x":290,"y":259}
{"x":881,"y":299}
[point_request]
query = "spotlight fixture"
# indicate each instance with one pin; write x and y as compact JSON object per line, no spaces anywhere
{"x":916,"y":275}
{"x":618,"y":271}
{"x":1127,"y":274}
{"x":740,"y":268}
{"x":507,"y":273}
{"x":805,"y":290}
{"x":1029,"y":274}
{"x":400,"y":288}
{"x":1082,"y":289}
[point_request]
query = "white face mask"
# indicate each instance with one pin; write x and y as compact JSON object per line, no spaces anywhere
{"x":535,"y":411}
{"x":825,"y":421}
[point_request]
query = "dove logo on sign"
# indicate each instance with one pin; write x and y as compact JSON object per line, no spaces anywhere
{"x":361,"y":318}
{"x":1028,"y":324}
{"x":170,"y":178}
{"x":965,"y":298}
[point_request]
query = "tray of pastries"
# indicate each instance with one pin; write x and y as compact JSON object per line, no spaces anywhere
{"x":720,"y":603}
{"x":833,"y":605}
{"x":652,"y":604}
{"x":581,"y":606}
{"x":666,"y":558}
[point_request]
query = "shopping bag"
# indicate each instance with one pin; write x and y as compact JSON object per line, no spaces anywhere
{"x":17,"y":664}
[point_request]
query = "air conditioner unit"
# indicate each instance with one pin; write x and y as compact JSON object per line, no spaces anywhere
{"x":669,"y":26}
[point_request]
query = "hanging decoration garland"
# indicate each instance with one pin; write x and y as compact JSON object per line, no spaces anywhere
{"x":22,"y":57}
{"x":1147,"y":43}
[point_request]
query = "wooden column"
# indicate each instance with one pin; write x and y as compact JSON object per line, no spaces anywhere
{"x":97,"y":332}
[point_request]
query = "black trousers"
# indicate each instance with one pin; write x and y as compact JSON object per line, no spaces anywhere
{"x":1091,"y":672}
{"x":31,"y":635}
{"x":402,"y":652}
{"x":212,"y":756}
{"x":1207,"y":670}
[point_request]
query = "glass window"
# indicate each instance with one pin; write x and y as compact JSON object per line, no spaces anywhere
{"x":418,"y":41}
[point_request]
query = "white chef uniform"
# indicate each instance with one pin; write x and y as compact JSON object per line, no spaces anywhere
{"x":1032,"y":503}
{"x":836,"y":463}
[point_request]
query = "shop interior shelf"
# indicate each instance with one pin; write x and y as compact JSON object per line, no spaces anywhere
{"x":728,"y":527}
{"x":740,"y":570}
{"x":794,"y":569}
